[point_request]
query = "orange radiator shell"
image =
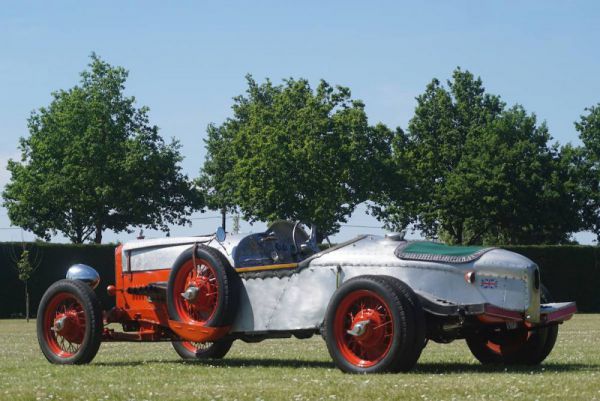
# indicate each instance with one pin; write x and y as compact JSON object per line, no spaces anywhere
{"x":132,"y":307}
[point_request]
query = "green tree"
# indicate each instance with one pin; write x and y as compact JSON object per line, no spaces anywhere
{"x":25,"y":268}
{"x":524,"y":189}
{"x":92,"y":161}
{"x":479,"y":172}
{"x":213,"y":181}
{"x":291,"y":152}
{"x":589,"y":133}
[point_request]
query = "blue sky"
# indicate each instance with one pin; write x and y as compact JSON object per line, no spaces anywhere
{"x":188,"y":60}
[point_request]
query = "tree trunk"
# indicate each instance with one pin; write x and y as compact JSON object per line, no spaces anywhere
{"x":98,"y":239}
{"x":223,"y":218}
{"x":459,"y":233}
{"x":26,"y":303}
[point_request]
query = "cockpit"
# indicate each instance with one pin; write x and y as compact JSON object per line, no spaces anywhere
{"x":282,"y":243}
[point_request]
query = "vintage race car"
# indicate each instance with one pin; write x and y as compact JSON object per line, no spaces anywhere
{"x":376,"y":300}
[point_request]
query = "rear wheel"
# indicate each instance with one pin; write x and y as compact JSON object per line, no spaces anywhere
{"x":368,"y":328}
{"x":210,"y":350}
{"x":515,"y":347}
{"x":69,"y":323}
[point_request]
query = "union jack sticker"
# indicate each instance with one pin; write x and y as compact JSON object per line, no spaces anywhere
{"x":489,"y":283}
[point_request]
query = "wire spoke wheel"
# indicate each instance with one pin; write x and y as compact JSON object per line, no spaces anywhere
{"x":371,"y":327}
{"x":201,"y":280}
{"x":64,"y":325}
{"x":203,"y":289}
{"x":368,"y":309}
{"x":69,"y":323}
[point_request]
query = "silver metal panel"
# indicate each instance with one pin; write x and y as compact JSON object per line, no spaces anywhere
{"x":160,"y":253}
{"x":299,"y":301}
{"x":287,"y":303}
{"x":159,"y":242}
{"x":510,"y":274}
{"x":155,"y":258}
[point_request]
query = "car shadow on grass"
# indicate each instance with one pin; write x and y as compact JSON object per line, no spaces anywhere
{"x":459,"y":368}
{"x":421,"y":368}
{"x":233,"y":363}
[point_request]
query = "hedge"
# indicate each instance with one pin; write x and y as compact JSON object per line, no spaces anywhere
{"x":571,"y":273}
{"x":55,"y":260}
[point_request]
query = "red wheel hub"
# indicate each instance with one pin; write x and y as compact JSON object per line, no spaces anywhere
{"x":371,"y":335}
{"x":68,"y":325}
{"x":64,"y":325}
{"x":196,"y":291}
{"x":363,"y":328}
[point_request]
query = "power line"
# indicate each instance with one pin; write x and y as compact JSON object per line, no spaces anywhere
{"x":205,"y":218}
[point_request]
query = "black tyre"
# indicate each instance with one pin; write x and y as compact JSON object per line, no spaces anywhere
{"x":415,"y":315}
{"x":369,"y":326}
{"x":213,"y":284}
{"x":515,"y":347}
{"x":69,"y":323}
{"x":210,"y":350}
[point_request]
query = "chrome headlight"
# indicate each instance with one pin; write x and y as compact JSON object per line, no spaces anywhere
{"x":84,"y":273}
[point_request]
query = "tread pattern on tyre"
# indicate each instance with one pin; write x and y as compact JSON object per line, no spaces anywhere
{"x":93,"y":319}
{"x":418,"y":320}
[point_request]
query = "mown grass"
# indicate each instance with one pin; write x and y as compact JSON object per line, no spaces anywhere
{"x":294,"y":370}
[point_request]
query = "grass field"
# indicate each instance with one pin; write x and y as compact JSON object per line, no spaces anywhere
{"x":294,"y":370}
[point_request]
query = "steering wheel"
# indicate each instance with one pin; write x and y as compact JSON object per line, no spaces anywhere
{"x":300,"y":239}
{"x":294,"y":237}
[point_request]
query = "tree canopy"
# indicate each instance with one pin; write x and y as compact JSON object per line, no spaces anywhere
{"x":92,"y":161}
{"x":589,"y":133}
{"x":480,"y":172}
{"x":291,"y":152}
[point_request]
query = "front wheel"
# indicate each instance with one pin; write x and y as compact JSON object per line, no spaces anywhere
{"x":189,"y":350}
{"x":368,"y":327}
{"x":69,"y":323}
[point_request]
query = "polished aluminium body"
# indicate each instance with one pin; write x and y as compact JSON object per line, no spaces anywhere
{"x":298,"y":301}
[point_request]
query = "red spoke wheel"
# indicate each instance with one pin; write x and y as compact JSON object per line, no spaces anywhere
{"x":369,"y":326}
{"x":210,"y":350}
{"x":514,"y":347}
{"x":202,"y":289}
{"x":199,"y":284}
{"x":372,"y":341}
{"x":69,"y":323}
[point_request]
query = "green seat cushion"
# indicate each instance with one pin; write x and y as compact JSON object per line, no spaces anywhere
{"x":438,"y":252}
